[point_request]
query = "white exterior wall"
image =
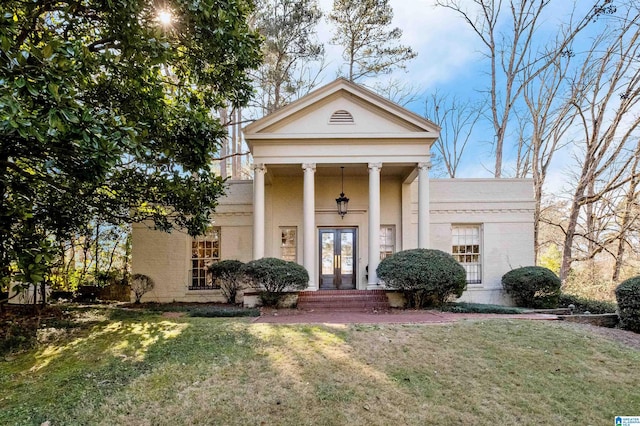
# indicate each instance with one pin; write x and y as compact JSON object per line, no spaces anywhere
{"x":167,"y":257}
{"x":504,"y":209}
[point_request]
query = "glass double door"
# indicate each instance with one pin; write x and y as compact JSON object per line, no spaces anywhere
{"x":337,"y":258}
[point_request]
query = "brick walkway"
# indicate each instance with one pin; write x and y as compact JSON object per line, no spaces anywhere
{"x":292,"y":316}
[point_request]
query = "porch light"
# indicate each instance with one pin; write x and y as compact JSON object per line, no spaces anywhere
{"x":342,"y":201}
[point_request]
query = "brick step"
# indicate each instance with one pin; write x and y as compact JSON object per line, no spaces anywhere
{"x":348,"y":297}
{"x":343,"y":300}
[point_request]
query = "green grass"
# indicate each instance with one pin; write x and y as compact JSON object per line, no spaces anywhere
{"x":150,"y":370}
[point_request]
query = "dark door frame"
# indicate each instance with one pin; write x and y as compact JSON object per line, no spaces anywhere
{"x":337,"y":280}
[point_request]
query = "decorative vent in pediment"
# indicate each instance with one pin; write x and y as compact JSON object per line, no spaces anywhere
{"x":341,"y":117}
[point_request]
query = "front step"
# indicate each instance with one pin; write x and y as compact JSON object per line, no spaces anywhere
{"x":343,"y":300}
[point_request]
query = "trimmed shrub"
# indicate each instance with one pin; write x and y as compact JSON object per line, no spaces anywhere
{"x":271,"y":277}
{"x":229,"y":276}
{"x":628,"y":297}
{"x":533,"y":287}
{"x":425,"y":276}
{"x":141,"y":284}
{"x":583,"y":304}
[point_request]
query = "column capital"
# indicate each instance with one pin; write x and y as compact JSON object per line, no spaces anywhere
{"x":375,"y":166}
{"x":259,"y":167}
{"x":425,"y":165}
{"x":307,"y":166}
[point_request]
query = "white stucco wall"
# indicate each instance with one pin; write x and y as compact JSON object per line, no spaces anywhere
{"x":504,"y":209}
{"x":166,"y":257}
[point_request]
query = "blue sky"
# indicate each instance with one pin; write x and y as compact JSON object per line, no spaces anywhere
{"x":449,"y":61}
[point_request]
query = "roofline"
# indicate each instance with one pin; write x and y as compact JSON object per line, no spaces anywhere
{"x":329,"y":89}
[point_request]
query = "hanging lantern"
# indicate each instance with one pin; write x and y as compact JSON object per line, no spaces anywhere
{"x":342,"y":201}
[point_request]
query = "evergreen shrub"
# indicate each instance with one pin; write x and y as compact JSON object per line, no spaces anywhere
{"x":229,"y":276}
{"x":628,"y":297}
{"x":425,"y":276}
{"x":533,"y":287}
{"x":271,"y":277}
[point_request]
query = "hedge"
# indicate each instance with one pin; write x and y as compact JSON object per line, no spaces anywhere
{"x":628,"y":297}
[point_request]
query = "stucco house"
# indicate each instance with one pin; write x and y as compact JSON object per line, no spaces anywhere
{"x":343,"y":139}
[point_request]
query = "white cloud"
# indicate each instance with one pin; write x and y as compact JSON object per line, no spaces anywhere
{"x":446,"y":46}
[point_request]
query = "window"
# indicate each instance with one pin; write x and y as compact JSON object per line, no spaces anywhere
{"x":387,"y":240}
{"x":288,"y":246}
{"x":204,"y":251}
{"x":466,"y":250}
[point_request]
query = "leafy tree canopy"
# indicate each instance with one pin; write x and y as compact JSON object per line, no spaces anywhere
{"x":370,"y":46}
{"x":105,"y":111}
{"x":291,"y":44}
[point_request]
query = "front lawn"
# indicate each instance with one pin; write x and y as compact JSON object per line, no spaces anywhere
{"x":146,"y":369}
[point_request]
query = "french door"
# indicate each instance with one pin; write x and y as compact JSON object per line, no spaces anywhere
{"x":337,"y":258}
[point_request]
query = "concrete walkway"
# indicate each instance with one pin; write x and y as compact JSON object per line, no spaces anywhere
{"x":293,"y":316}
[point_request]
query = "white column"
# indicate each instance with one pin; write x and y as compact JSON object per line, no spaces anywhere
{"x":374,"y":223}
{"x":423,"y":205}
{"x":258,"y":210}
{"x":309,"y":224}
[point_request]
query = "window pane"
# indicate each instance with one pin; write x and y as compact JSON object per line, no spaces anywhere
{"x":387,"y":240}
{"x":288,"y":243}
{"x":204,"y":251}
{"x":466,"y":249}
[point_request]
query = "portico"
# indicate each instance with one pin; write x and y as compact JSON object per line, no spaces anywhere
{"x":382,"y":147}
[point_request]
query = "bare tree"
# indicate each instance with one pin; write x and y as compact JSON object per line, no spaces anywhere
{"x":628,"y":219}
{"x":457,"y":120}
{"x":606,"y":104}
{"x":516,"y":51}
{"x":548,"y":117}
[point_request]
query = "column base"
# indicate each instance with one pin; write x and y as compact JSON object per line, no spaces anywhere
{"x":374,"y":286}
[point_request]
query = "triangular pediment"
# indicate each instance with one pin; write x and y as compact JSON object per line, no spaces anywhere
{"x":341,"y":110}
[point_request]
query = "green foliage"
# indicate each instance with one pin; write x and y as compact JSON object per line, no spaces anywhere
{"x":533,"y":287}
{"x":222,"y":312}
{"x":369,"y":46}
{"x":17,"y":335}
{"x":628,"y":297}
{"x":106,"y":114}
{"x":290,"y":44}
{"x":271,"y":277}
{"x":583,"y":304}
{"x":141,"y":284}
{"x":229,"y":276}
{"x":479,"y":308}
{"x":423,"y":276}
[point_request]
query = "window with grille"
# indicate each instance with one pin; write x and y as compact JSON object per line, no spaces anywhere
{"x":466,"y":249}
{"x":204,"y":251}
{"x":288,"y":245}
{"x":387,"y":240}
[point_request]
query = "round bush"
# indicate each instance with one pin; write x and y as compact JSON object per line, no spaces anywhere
{"x":228,"y":275}
{"x":533,"y":287}
{"x":271,"y":277}
{"x":423,"y":275}
{"x":628,"y":297}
